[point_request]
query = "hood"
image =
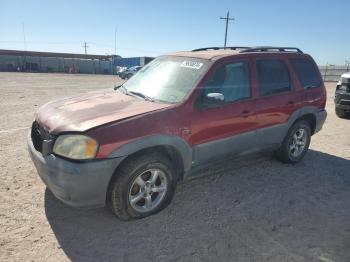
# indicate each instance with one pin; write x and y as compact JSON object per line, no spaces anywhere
{"x":346,"y":75}
{"x":83,"y":112}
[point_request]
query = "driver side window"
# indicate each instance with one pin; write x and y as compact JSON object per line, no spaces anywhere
{"x":232,"y":80}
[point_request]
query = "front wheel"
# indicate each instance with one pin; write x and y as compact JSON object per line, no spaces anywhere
{"x":142,"y":186}
{"x":296,"y":143}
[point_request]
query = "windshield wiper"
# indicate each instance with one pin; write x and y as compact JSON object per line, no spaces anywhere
{"x":141,"y":95}
{"x":116,"y":87}
{"x":123,"y":89}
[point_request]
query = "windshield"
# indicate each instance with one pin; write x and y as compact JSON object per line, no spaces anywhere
{"x":167,"y":79}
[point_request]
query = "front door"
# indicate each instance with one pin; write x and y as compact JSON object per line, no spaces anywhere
{"x":227,"y":127}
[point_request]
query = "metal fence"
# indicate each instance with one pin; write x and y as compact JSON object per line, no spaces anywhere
{"x":332,"y":73}
{"x":10,"y":63}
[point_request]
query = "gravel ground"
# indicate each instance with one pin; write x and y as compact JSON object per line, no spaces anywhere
{"x":252,"y":209}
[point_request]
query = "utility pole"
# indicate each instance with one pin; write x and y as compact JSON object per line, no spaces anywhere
{"x":115,"y":41}
{"x":85,"y":47}
{"x":24,"y":38}
{"x":227,"y":18}
{"x":25,"y":49}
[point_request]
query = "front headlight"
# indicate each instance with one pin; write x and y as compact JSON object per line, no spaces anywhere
{"x":77,"y":147}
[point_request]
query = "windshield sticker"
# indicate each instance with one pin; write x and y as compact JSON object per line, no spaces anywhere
{"x":193,"y":65}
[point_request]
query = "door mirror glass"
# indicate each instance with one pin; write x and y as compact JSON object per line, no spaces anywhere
{"x":215,"y":97}
{"x":213,"y":100}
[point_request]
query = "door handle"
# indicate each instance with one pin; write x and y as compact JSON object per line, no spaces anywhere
{"x":291,"y":102}
{"x":245,"y":113}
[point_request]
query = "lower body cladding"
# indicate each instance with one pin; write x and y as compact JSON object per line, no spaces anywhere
{"x":78,"y":184}
{"x":268,"y":138}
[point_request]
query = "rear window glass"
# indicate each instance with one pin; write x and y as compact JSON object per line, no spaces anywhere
{"x":307,"y":73}
{"x":273,"y":76}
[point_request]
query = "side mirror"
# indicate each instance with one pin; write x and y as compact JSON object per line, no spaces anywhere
{"x":216,"y":97}
{"x":213,"y":100}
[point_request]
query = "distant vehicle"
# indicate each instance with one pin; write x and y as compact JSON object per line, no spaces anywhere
{"x":128,"y":147}
{"x":120,"y":69}
{"x":130,"y":72}
{"x":342,"y":96}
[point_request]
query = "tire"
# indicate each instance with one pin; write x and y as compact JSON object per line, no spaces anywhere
{"x":296,"y":143}
{"x":129,"y":76}
{"x":125,"y":188}
{"x":340,"y":112}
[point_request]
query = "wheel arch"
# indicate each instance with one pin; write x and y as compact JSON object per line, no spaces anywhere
{"x":174,"y":144}
{"x":306,"y":113}
{"x":311,"y":119}
{"x":175,"y":148}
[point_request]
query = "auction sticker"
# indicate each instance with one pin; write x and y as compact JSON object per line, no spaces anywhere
{"x":190,"y":64}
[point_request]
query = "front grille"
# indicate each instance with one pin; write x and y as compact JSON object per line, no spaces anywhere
{"x":345,"y":102}
{"x":344,"y":87}
{"x":39,"y":134}
{"x":345,"y":80}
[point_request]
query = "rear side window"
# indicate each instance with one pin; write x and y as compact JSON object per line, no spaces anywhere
{"x":273,"y":77}
{"x":307,"y":73}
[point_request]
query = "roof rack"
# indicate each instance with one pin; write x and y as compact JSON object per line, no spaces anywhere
{"x":271,"y":49}
{"x":219,"y":48}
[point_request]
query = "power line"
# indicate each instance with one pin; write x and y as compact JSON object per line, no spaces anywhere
{"x":227,"y":18}
{"x":89,"y":44}
{"x":44,"y":43}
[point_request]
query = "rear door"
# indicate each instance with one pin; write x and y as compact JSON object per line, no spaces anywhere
{"x":276,"y":99}
{"x":228,"y":128}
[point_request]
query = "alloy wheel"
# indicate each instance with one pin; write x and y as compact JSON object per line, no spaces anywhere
{"x":148,"y":190}
{"x":298,"y":143}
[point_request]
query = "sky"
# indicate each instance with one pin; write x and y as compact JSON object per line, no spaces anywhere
{"x":151,"y":28}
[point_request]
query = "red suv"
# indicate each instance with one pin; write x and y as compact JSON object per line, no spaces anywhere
{"x":128,"y":146}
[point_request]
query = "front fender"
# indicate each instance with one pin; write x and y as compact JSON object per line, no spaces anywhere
{"x":157,"y":140}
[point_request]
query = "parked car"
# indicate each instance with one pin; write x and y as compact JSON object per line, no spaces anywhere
{"x":128,"y":73}
{"x":120,"y":69}
{"x":128,"y":147}
{"x":342,"y":96}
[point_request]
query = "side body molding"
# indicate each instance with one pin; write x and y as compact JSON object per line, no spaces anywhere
{"x":274,"y":135}
{"x":157,"y":140}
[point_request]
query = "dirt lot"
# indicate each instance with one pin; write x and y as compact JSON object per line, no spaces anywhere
{"x":254,"y":209}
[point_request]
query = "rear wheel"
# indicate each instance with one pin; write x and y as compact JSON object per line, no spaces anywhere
{"x":142,"y":186}
{"x":296,"y":143}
